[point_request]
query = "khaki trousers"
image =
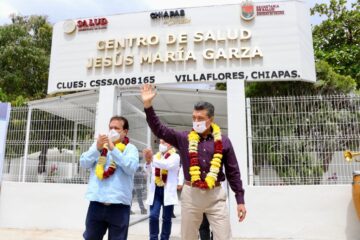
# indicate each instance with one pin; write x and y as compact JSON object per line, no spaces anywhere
{"x":195,"y":202}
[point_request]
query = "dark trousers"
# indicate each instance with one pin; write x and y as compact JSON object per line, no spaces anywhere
{"x":114,"y":217}
{"x":138,"y":193}
{"x":204,"y":229}
{"x":155,"y":213}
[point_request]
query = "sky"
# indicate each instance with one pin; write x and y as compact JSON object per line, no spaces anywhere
{"x":59,"y":10}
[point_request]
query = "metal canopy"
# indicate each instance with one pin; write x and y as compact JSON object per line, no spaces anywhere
{"x":173,"y":105}
{"x":81,"y":103}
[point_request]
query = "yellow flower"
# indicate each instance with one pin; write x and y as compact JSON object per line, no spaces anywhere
{"x":210,"y":182}
{"x":159,"y":182}
{"x":193,"y":149}
{"x":194,"y":168}
{"x":99,"y":168}
{"x":193,"y":137}
{"x":195,"y":178}
{"x":102,"y":160}
{"x":120,"y":146}
{"x":113,"y":164}
{"x":192,"y":173}
{"x":215,"y":163}
{"x":99,"y":171}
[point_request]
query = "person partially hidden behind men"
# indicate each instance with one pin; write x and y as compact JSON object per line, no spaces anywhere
{"x":204,"y":152}
{"x":163,"y":168}
{"x":112,"y":161}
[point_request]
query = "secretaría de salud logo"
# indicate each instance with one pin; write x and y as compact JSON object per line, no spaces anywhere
{"x":247,"y":10}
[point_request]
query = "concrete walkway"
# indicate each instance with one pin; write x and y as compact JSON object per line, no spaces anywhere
{"x":139,"y":230}
{"x":59,"y":234}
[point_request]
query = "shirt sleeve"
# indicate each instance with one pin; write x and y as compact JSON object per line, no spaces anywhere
{"x":181,"y":176}
{"x":147,"y":168}
{"x":127,"y":160}
{"x":90,"y":157}
{"x":160,"y":130}
{"x":171,"y":162}
{"x":232,"y":172}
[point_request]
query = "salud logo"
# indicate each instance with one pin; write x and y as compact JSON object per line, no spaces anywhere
{"x":69,"y":26}
{"x":247,"y":10}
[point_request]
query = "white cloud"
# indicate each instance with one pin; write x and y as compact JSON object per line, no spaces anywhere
{"x":5,"y":10}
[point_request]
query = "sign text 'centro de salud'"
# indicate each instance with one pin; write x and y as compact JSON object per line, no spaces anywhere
{"x":249,"y":41}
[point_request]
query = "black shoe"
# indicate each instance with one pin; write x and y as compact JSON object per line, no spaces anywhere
{"x":173,"y":215}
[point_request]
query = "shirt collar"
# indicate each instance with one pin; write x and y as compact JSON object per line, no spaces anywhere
{"x":208,"y":137}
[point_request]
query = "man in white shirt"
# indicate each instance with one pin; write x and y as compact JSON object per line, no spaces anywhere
{"x":163,"y":169}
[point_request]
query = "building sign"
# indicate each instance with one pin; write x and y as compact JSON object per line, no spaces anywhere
{"x":269,"y":9}
{"x":216,"y":43}
{"x":247,"y":10}
{"x":168,"y":14}
{"x":4,"y":121}
{"x":81,"y":25}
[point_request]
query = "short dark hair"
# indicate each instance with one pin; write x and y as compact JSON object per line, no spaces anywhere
{"x":121,"y":118}
{"x":205,"y":106}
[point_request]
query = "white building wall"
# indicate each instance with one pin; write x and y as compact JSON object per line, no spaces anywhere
{"x":43,"y":205}
{"x":323,"y":212}
{"x":285,"y":212}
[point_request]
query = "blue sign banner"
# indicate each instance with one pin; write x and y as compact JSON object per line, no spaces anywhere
{"x":4,"y":122}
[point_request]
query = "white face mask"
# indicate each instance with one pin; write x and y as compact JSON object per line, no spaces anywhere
{"x":113,"y":135}
{"x":162,"y":148}
{"x":199,"y":127}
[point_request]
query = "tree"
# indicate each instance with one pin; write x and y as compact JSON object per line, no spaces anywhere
{"x":328,"y":82}
{"x":25,"y":46}
{"x":337,"y":39}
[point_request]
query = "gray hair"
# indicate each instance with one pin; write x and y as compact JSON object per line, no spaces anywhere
{"x":205,"y":106}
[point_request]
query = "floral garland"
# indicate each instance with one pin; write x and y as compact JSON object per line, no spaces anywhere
{"x":194,"y":170}
{"x":161,"y":174}
{"x":100,"y":166}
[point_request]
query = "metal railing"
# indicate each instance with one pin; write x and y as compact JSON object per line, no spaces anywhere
{"x":44,"y":144}
{"x":300,"y":140}
{"x":292,"y":140}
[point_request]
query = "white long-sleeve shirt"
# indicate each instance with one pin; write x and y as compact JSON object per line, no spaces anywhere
{"x":118,"y":187}
{"x":171,"y":164}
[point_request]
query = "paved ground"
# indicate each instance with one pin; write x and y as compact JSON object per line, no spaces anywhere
{"x":137,"y":231}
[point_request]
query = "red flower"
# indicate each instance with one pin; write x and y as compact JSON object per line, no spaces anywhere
{"x":166,"y":155}
{"x":126,"y":140}
{"x":109,"y":172}
{"x":104,"y":152}
{"x":164,"y":177}
{"x":194,"y":161}
{"x":193,"y":154}
{"x":157,"y":172}
{"x":218,"y":147}
{"x":200,"y":184}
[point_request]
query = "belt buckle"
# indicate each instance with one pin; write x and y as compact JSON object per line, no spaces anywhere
{"x":106,"y":204}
